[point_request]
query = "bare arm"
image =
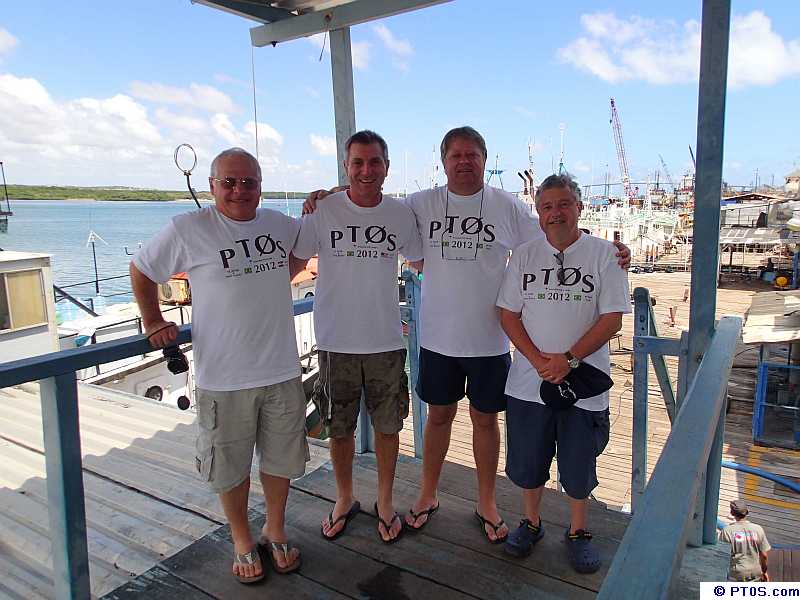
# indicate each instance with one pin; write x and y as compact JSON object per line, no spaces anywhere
{"x":599,"y":333}
{"x":762,"y":557}
{"x":515,"y":330}
{"x":161,"y":333}
{"x":296,"y":265}
{"x":310,"y":205}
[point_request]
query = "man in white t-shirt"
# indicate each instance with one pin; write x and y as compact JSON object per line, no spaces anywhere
{"x":358,"y":234}
{"x":249,"y":392}
{"x":562,"y":299}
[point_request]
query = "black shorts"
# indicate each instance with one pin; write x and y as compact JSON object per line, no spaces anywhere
{"x":534,"y":431}
{"x":442,"y":380}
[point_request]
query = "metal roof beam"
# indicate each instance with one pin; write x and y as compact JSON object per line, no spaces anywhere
{"x":344,"y":15}
{"x":249,"y":9}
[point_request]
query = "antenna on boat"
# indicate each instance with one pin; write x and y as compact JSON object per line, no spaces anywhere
{"x":187,"y":172}
{"x":94,"y":237}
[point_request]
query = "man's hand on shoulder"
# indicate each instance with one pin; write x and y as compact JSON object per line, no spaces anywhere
{"x":310,"y":205}
{"x":624,"y":255}
{"x":161,"y":334}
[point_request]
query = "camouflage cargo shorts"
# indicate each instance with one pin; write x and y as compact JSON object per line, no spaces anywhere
{"x":381,"y":376}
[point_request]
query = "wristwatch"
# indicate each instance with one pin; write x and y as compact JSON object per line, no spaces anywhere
{"x":571,"y":360}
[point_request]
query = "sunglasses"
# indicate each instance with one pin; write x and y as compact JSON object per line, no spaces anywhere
{"x":560,"y":272}
{"x":245,"y":183}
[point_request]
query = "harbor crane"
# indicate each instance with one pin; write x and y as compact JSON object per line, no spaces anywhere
{"x":666,"y":172}
{"x":616,"y":126}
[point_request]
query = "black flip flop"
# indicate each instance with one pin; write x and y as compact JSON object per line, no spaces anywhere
{"x":388,"y":526}
{"x":350,"y":514}
{"x":428,"y":512}
{"x":484,"y":522}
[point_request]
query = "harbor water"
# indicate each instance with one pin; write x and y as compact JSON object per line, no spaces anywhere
{"x":62,"y":228}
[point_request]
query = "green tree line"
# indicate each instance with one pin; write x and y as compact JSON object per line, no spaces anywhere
{"x":47,"y":192}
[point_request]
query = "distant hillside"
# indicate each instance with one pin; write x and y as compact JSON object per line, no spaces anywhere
{"x":47,"y":192}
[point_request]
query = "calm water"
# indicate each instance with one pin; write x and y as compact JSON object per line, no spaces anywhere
{"x":61,"y":229}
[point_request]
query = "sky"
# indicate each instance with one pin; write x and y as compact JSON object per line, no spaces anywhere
{"x":100,"y":94}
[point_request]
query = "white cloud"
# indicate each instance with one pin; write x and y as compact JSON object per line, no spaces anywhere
{"x":7,"y":41}
{"x":267,"y":134}
{"x":396,"y":46}
{"x":226,"y":79}
{"x":360,"y":51}
{"x":324,"y":146}
{"x":665,"y":52}
{"x":114,"y":140}
{"x":204,"y":97}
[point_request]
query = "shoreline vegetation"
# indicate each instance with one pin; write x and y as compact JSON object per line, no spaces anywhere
{"x":118,"y":193}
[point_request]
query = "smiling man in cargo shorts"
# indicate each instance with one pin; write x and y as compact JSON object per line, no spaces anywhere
{"x":358,"y":234}
{"x":249,"y":392}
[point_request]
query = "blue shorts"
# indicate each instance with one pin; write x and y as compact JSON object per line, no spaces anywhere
{"x":534,"y":432}
{"x":443,"y":380}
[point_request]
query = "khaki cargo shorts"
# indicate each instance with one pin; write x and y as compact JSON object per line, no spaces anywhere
{"x":230,"y":424}
{"x":382,"y":376}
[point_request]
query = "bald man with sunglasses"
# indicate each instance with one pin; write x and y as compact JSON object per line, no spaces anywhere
{"x":249,"y":393}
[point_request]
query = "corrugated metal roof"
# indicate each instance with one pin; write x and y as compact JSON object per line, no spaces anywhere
{"x":750,"y":235}
{"x":143,"y":499}
{"x":773,"y":317}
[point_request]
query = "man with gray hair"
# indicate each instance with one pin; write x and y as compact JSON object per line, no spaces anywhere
{"x":249,"y":393}
{"x":562,"y":298}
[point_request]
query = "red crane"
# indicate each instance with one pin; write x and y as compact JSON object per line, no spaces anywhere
{"x":616,"y":127}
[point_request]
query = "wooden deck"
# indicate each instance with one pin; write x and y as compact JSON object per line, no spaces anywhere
{"x":775,"y":508}
{"x":783,"y":564}
{"x":448,"y":560}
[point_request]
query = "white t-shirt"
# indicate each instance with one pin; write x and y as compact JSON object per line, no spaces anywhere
{"x":556,"y":316}
{"x":356,"y":308}
{"x":466,"y":241}
{"x":242,"y":321}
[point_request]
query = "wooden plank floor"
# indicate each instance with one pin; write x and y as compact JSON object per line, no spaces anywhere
{"x":449,"y":559}
{"x":783,"y":564}
{"x":776,"y":509}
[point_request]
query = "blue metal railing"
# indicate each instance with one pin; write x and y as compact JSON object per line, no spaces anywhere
{"x":684,"y":483}
{"x":62,"y":444}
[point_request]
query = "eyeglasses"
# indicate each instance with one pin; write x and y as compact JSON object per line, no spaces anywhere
{"x":560,"y":272}
{"x":245,"y":183}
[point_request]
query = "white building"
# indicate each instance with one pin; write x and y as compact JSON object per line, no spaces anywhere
{"x":27,"y":308}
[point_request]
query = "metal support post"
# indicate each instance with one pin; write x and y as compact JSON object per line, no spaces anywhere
{"x":713,"y":476}
{"x":419,"y":410}
{"x":365,"y":436}
{"x":62,"y":446}
{"x":641,"y":327}
{"x":708,"y":183}
{"x":343,"y":98}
